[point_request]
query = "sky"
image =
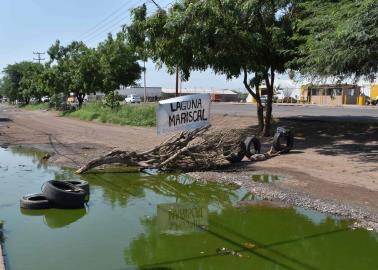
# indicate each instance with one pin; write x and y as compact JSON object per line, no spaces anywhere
{"x":28,"y":26}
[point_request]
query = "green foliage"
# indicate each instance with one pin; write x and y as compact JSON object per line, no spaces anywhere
{"x":234,"y":38}
{"x":21,"y":81}
{"x":134,"y":115}
{"x":112,"y":100}
{"x":77,"y":70}
{"x":118,"y":63}
{"x":339,"y":38}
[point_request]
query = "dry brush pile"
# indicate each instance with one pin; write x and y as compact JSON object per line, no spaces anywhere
{"x":200,"y":149}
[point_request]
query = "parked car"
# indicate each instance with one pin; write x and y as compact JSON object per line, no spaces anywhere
{"x":45,"y":99}
{"x":133,"y":99}
{"x":288,"y":100}
{"x":264,"y":99}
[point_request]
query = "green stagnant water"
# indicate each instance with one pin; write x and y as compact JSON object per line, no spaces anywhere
{"x":150,"y":221}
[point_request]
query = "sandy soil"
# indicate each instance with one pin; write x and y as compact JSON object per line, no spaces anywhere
{"x":331,"y":160}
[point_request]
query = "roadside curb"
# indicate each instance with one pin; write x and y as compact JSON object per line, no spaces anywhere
{"x":354,"y":106}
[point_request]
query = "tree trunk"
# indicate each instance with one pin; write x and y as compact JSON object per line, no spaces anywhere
{"x":256,"y":96}
{"x":268,"y":112}
{"x":260,"y":116}
{"x":80,"y":99}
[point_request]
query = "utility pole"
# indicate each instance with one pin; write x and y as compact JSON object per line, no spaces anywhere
{"x":39,"y":59}
{"x":144,"y":77}
{"x":177,"y":80}
{"x":177,"y":67}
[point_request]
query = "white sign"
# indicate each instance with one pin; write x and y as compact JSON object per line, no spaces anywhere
{"x":183,"y":113}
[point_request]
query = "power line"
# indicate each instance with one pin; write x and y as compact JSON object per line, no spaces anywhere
{"x":39,"y":59}
{"x":100,"y":24}
{"x":107,"y":30}
{"x":103,"y":25}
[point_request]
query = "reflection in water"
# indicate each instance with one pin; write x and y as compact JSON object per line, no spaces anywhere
{"x":37,"y":156}
{"x":130,"y":227}
{"x":119,"y":189}
{"x":181,"y":218}
{"x":57,"y":218}
{"x":266,"y":178}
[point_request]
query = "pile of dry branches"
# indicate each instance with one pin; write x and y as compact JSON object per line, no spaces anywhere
{"x":190,"y":150}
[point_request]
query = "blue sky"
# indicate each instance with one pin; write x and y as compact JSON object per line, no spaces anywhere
{"x":33,"y":25}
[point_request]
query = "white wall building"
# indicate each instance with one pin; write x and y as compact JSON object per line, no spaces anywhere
{"x":151,"y":92}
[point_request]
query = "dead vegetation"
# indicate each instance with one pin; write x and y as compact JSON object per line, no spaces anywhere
{"x":200,"y":149}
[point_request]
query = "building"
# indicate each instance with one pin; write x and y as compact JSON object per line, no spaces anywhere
{"x":216,"y":95}
{"x":152,"y":93}
{"x":330,"y":94}
{"x":374,"y":92}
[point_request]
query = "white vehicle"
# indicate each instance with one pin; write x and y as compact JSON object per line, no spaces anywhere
{"x":45,"y":99}
{"x":133,"y":99}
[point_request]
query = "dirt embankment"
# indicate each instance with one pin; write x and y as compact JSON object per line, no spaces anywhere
{"x":333,"y":168}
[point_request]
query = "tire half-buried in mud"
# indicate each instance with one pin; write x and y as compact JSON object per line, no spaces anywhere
{"x":252,"y":146}
{"x":64,"y":195}
{"x":283,"y":141}
{"x":35,"y":201}
{"x":235,"y":155}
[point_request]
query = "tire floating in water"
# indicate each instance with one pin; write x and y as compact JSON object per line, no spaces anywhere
{"x":35,"y":201}
{"x":79,"y":184}
{"x":62,"y":194}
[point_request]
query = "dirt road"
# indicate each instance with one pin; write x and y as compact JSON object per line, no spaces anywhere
{"x":331,"y":161}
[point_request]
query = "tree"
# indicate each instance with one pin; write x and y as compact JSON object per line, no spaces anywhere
{"x":31,"y":84}
{"x":18,"y":78}
{"x":235,"y":38}
{"x":136,"y":37}
{"x":78,"y":69}
{"x":339,"y":38}
{"x":118,"y":63}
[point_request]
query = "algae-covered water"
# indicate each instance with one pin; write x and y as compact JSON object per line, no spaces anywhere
{"x":152,"y":221}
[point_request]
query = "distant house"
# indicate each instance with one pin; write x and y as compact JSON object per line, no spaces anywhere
{"x":152,"y":93}
{"x":216,"y":95}
{"x":331,"y":94}
{"x":374,"y":92}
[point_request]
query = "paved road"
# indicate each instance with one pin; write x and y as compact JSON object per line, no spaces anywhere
{"x":309,"y":111}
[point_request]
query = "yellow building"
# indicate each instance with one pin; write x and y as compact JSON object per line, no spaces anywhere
{"x":331,"y":94}
{"x":374,"y":92}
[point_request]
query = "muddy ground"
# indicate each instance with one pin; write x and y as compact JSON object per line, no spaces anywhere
{"x":333,"y":168}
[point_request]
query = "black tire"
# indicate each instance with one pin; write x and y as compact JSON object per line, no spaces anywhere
{"x":64,"y":195}
{"x":35,"y":201}
{"x":288,"y":141}
{"x":79,"y":184}
{"x":252,"y":146}
{"x":236,"y":156}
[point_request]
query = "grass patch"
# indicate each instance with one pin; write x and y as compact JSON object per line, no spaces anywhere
{"x":33,"y":107}
{"x":142,"y":115}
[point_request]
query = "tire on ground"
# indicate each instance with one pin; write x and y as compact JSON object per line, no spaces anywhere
{"x":35,"y":201}
{"x":235,"y":155}
{"x":64,"y":195}
{"x":252,"y":146}
{"x":288,"y":141}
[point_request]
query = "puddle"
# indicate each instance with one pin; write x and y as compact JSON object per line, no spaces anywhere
{"x":154,"y":221}
{"x":266,"y":178}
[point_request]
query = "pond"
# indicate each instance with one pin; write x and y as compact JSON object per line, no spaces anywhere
{"x":158,"y":221}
